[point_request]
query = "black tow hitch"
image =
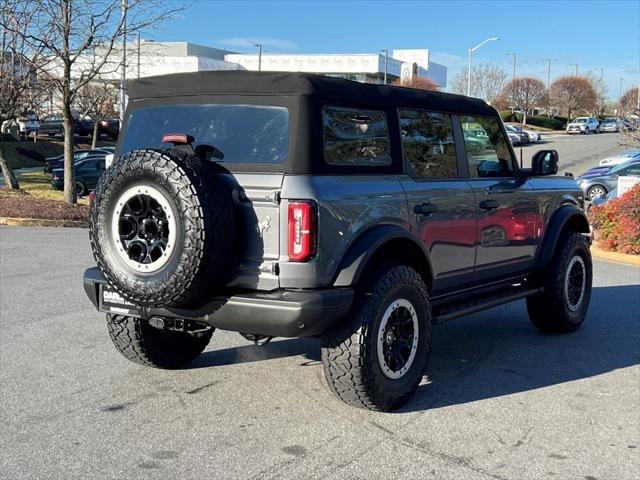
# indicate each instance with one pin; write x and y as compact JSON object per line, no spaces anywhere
{"x":179,"y":325}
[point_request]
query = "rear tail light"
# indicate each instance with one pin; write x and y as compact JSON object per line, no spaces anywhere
{"x":302,"y":230}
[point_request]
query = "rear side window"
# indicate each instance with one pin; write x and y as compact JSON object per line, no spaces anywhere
{"x":240,"y":133}
{"x":427,"y":144}
{"x":486,"y":146}
{"x":355,"y":137}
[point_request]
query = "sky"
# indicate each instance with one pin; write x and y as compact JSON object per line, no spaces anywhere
{"x":592,"y":33}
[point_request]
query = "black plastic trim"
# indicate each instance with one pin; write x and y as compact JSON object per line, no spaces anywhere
{"x":556,"y":226}
{"x":282,"y":313}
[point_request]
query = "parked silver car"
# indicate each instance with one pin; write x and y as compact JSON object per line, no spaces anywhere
{"x":610,"y":125}
{"x":584,"y":125}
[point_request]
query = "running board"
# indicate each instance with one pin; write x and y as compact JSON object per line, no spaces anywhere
{"x":449,"y":312}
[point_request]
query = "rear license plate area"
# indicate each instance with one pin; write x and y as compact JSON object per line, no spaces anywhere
{"x":112,"y":302}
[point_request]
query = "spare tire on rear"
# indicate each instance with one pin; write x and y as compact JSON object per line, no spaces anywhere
{"x":163,"y":227}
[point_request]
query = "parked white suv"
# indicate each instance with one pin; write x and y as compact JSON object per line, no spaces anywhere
{"x":584,"y":125}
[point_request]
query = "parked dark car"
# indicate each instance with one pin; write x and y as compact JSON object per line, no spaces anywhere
{"x":88,"y":172}
{"x":110,"y":127}
{"x":52,"y":126}
{"x":293,"y":205}
{"x":599,"y":184}
{"x":51,"y":163}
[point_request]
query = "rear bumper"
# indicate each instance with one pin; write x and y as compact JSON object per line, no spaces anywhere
{"x":281,"y":313}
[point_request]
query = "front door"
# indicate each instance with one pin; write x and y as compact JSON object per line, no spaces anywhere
{"x":441,"y":204}
{"x":507,"y":210}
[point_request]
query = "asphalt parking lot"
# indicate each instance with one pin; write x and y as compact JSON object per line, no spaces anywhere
{"x":500,"y":400}
{"x":577,"y":152}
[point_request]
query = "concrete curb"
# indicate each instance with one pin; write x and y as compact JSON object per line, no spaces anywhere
{"x":42,"y":222}
{"x":597,"y":252}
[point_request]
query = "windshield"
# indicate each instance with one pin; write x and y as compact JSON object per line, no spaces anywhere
{"x":624,"y":165}
{"x":609,"y":120}
{"x":580,"y":120}
{"x":243,"y":133}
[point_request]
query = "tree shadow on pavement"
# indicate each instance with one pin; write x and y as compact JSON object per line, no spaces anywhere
{"x":498,"y":352}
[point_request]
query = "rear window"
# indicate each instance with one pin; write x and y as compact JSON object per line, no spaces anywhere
{"x":355,"y":137}
{"x":243,"y":133}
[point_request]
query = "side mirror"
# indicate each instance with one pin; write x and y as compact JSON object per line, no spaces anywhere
{"x":545,"y":162}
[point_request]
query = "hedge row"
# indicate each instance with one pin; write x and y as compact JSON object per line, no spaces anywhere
{"x":554,"y":123}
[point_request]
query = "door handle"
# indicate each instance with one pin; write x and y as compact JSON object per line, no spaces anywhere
{"x":488,"y":204}
{"x":425,"y":209}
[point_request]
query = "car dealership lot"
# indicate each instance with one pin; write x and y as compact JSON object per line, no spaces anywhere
{"x":501,"y":400}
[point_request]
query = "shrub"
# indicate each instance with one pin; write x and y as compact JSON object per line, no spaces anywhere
{"x":555,"y":123}
{"x":617,"y":223}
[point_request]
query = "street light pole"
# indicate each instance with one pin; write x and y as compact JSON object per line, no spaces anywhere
{"x":514,"y":65}
{"x":386,"y":58}
{"x":575,"y":65}
{"x":471,"y":50}
{"x":259,"y":45}
{"x":620,"y":96}
{"x":548,"y":60}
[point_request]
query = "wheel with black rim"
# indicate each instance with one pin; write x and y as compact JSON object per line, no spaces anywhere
{"x":143,"y":344}
{"x":563,"y":305}
{"x":163,"y":227}
{"x":596,"y":191}
{"x":375,"y":358}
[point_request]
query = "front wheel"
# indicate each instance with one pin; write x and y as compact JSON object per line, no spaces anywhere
{"x":563,"y":305}
{"x":376,"y":358}
{"x":145,"y":345}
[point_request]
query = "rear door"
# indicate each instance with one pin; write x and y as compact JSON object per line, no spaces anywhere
{"x":506,"y":204}
{"x":441,"y":204}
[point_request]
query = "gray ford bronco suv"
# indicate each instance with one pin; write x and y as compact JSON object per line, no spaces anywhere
{"x":278,"y":204}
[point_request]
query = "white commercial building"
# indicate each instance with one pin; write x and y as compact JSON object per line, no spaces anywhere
{"x":363,"y":67}
{"x":160,"y":58}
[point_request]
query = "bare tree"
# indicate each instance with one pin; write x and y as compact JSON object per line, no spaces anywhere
{"x":459,"y":83}
{"x":420,"y":82}
{"x":487,"y":80}
{"x":524,"y":92}
{"x":80,"y":37}
{"x":98,"y":100}
{"x":572,"y":94}
{"x":600,"y":87}
{"x":18,"y":63}
{"x":630,"y":102}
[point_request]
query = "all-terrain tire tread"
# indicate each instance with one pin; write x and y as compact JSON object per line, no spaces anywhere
{"x":344,"y":352}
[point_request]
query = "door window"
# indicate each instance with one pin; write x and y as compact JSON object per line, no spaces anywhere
{"x":355,"y":137}
{"x":427,"y":144}
{"x":487,"y":148}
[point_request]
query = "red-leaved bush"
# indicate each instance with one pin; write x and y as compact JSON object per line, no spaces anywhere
{"x":616,"y":223}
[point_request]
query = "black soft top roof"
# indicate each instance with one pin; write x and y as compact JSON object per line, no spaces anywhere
{"x":283,"y":83}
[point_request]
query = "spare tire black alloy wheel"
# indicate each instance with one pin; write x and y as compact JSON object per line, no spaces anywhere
{"x":143,"y":228}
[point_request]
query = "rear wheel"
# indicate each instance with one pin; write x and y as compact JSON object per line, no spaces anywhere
{"x":376,"y":358}
{"x":562,"y":306}
{"x":145,"y":345}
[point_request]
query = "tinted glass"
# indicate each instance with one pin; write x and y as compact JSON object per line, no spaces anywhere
{"x":355,"y":137}
{"x":427,"y":144}
{"x":243,"y":133}
{"x":486,"y":146}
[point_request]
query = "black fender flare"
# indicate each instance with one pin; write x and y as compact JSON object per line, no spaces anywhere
{"x":365,"y":247}
{"x":566,"y":216}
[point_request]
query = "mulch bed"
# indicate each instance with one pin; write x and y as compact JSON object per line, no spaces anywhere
{"x":23,"y":205}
